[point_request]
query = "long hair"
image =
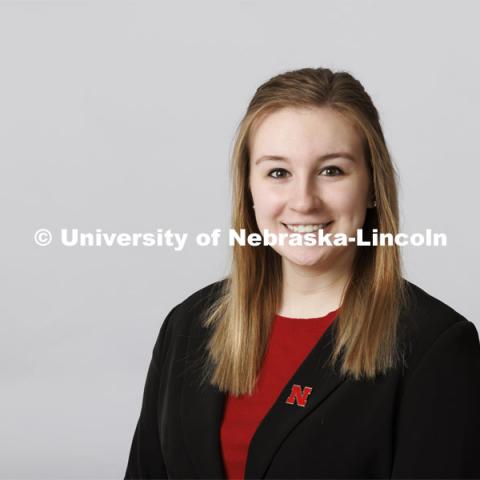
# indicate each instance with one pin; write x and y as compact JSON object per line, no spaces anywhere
{"x":366,"y":329}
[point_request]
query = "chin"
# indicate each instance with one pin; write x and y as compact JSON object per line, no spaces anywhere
{"x":305,"y":257}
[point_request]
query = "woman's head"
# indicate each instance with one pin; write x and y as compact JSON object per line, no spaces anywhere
{"x":303,"y":116}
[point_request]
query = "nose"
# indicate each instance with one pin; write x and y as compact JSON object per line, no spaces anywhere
{"x":305,"y":196}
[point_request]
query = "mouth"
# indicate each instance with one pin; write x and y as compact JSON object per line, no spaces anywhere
{"x":307,"y":228}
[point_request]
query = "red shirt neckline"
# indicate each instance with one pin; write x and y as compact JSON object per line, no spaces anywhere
{"x":328,"y":316}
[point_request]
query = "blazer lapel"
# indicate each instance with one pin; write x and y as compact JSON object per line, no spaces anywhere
{"x":283,"y":417}
{"x":202,"y":410}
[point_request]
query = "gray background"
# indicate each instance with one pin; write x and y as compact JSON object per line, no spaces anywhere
{"x":121,"y":116}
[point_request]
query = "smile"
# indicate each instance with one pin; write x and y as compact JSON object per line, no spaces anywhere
{"x":307,"y":228}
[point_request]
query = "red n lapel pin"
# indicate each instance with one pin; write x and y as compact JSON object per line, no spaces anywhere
{"x":299,"y":396}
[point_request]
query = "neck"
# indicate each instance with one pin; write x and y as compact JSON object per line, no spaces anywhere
{"x":310,"y":292}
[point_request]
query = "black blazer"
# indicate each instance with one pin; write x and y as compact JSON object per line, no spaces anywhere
{"x":421,"y":421}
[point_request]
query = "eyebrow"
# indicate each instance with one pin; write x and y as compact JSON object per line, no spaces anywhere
{"x":323,"y":158}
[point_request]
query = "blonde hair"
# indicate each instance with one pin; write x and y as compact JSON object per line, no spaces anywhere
{"x":365,"y":331}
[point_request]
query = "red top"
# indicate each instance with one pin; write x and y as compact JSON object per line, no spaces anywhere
{"x":243,"y":414}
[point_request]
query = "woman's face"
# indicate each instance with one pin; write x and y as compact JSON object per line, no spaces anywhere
{"x":321,"y":178}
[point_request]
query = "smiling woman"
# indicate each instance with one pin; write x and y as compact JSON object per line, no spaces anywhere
{"x":311,"y":361}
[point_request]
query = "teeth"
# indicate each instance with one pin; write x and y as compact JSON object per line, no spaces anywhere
{"x":306,"y":228}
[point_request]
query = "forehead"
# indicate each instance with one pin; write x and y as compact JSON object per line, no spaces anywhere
{"x":298,"y":132}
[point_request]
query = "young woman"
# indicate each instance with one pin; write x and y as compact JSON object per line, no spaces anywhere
{"x":311,"y":361}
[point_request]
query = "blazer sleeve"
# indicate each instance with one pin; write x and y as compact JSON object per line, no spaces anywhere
{"x":438,"y":427}
{"x":146,"y":459}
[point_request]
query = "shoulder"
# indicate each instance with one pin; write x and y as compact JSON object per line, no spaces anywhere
{"x":188,"y":312}
{"x":177,"y":326}
{"x":433,"y":314}
{"x":196,"y":302}
{"x":426,"y":323}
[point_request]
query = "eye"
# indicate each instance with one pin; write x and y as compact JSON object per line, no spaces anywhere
{"x":332,"y":169}
{"x":275,"y":170}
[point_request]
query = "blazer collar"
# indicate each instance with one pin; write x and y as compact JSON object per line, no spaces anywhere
{"x":202,"y":411}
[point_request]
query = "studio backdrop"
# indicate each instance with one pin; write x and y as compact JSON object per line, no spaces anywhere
{"x":119,"y":117}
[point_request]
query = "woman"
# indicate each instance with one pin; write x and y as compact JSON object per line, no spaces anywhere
{"x":311,"y":361}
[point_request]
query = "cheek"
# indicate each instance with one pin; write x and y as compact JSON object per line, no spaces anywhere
{"x":268,"y":207}
{"x":268,"y":201}
{"x":350,"y":205}
{"x":351,"y":198}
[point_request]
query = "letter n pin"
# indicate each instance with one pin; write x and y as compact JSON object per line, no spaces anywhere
{"x":298,"y":395}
